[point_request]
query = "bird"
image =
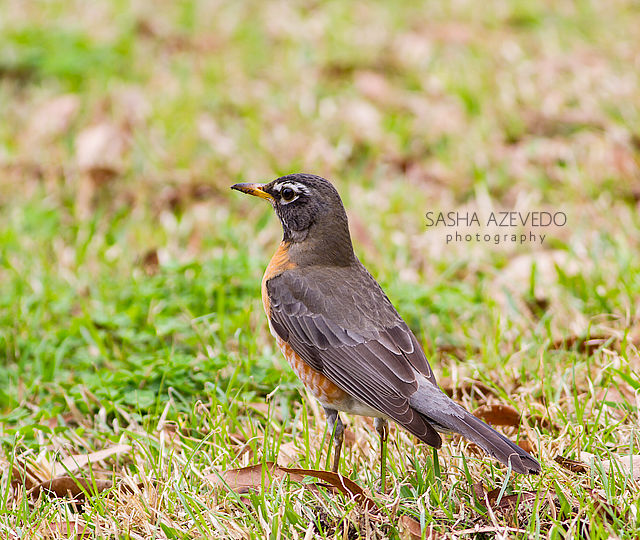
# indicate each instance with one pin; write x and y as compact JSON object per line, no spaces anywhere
{"x":343,"y":337}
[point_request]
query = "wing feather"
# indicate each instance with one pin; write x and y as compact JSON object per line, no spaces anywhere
{"x":355,"y":338}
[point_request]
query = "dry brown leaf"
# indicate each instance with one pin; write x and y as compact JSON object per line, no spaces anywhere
{"x":67,"y":418}
{"x":247,"y":478}
{"x":374,"y":86}
{"x":78,"y":461}
{"x":624,"y":464}
{"x":343,"y":484}
{"x":64,"y":486}
{"x":479,"y":491}
{"x":512,"y":501}
{"x":100,"y":150}
{"x":507,"y":503}
{"x":150,"y":262}
{"x":410,"y":528}
{"x":527,"y":446}
{"x":27,"y":472}
{"x":605,"y":509}
{"x":541,"y":421}
{"x":53,"y":118}
{"x":572,"y":465}
{"x":498,"y":415}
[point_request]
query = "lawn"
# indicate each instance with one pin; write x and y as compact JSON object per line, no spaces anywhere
{"x":137,"y":370}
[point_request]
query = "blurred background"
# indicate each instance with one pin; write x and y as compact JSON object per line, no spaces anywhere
{"x":128,"y":266}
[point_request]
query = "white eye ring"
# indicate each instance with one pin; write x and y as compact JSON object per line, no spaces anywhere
{"x":288,"y":194}
{"x":292,"y":190}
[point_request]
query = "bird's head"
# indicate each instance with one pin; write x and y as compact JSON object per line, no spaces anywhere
{"x":310,"y":210}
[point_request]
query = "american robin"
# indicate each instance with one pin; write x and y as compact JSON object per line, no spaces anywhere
{"x":343,"y":337}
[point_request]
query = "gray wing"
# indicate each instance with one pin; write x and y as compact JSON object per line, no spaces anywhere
{"x":352,"y":334}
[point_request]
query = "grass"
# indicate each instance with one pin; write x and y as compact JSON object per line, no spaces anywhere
{"x":130,"y":304}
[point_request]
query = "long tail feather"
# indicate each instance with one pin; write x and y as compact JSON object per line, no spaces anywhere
{"x":446,"y":415}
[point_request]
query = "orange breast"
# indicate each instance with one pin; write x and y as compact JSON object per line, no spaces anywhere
{"x":278,"y":264}
{"x":320,"y":387}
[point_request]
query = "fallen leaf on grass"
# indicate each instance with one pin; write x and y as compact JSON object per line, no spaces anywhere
{"x":479,"y":491}
{"x":375,"y":87}
{"x":64,"y":486}
{"x":74,"y":462}
{"x":99,"y":155}
{"x":26,"y":472}
{"x":100,"y":151}
{"x":624,"y":464}
{"x":38,"y":475}
{"x":343,"y":484}
{"x":53,"y":117}
{"x":498,"y":415}
{"x":512,"y":501}
{"x":605,"y":509}
{"x":542,"y":421}
{"x":507,"y":501}
{"x":150,"y":262}
{"x":247,"y":478}
{"x":527,"y":446}
{"x":572,"y":464}
{"x":66,"y":418}
{"x":411,"y":529}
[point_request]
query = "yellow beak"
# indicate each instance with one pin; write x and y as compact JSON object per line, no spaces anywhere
{"x":253,"y":189}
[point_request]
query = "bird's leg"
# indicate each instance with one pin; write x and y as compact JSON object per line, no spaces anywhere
{"x":337,"y":429}
{"x":382,"y":428}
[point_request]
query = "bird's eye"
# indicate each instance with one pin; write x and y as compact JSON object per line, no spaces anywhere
{"x":288,"y":194}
